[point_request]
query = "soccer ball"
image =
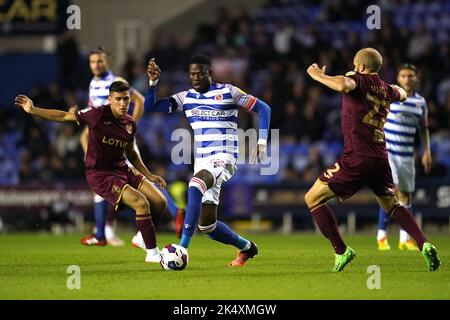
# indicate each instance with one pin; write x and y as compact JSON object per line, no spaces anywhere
{"x":174,"y":257}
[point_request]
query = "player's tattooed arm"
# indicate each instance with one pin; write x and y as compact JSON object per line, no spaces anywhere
{"x":337,"y":83}
{"x":134,"y":157}
{"x":26,"y":104}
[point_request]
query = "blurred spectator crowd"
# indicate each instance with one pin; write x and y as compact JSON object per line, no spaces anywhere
{"x":265,"y":52}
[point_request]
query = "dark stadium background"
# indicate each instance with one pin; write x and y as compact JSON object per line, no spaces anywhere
{"x":263,"y":47}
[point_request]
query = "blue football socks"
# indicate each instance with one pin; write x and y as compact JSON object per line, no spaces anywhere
{"x":100,"y":212}
{"x":224,"y":234}
{"x":383,"y":219}
{"x":193,"y":211}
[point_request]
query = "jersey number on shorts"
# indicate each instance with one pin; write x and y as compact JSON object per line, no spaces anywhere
{"x":370,"y":119}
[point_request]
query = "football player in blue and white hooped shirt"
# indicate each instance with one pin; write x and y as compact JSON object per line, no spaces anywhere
{"x":212,"y":111}
{"x":403,"y":121}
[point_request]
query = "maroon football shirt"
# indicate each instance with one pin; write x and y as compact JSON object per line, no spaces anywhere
{"x":108,"y":138}
{"x":364,"y":112}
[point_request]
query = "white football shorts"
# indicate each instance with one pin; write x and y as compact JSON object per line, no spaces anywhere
{"x":222,"y":171}
{"x":403,"y":174}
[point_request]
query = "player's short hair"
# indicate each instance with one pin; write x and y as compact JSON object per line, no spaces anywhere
{"x":98,"y":50}
{"x":407,"y":66}
{"x":201,"y":59}
{"x":119,"y":86}
{"x":371,"y":58}
{"x":102,"y":50}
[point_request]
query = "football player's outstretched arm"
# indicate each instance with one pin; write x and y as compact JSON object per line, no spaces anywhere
{"x":337,"y":83}
{"x":401,"y":91}
{"x":135,"y":158}
{"x":150,"y":103}
{"x":26,"y":104}
{"x":84,"y":136}
{"x":264,"y":113}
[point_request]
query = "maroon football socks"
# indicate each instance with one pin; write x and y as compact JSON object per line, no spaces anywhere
{"x":405,"y":219}
{"x":327,"y":224}
{"x":145,"y":225}
{"x":155,"y":218}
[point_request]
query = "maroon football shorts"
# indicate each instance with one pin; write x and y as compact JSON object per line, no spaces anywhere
{"x":110,"y":184}
{"x":351,"y":172}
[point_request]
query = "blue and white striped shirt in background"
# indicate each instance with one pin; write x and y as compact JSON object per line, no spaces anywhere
{"x":401,"y":126}
{"x":99,"y":90}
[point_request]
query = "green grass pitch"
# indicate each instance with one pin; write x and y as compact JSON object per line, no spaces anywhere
{"x":289,"y":267}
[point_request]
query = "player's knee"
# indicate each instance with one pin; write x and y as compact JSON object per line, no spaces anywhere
{"x":199,"y":184}
{"x":207,"y":178}
{"x":404,"y":198}
{"x":310,"y":199}
{"x":141,"y":205}
{"x":207,"y":228}
{"x":389,"y":203}
{"x":160,"y":204}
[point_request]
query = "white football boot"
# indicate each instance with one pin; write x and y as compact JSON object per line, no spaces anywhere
{"x":112,"y":238}
{"x":138,"y":242}
{"x":153,"y":256}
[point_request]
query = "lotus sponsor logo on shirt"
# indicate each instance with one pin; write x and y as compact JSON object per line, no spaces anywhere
{"x":115,"y":142}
